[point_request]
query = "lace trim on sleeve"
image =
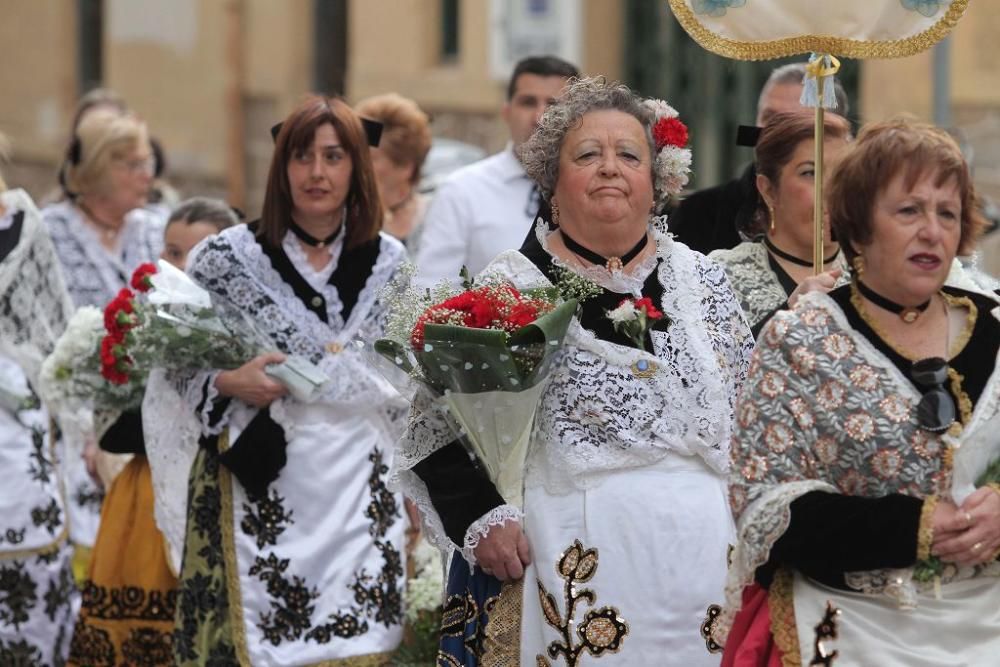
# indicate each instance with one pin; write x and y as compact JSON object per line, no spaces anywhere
{"x":761,"y":525}
{"x":480,"y":528}
{"x":171,"y":431}
{"x":210,"y":394}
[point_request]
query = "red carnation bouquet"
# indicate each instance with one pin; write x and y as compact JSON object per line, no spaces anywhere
{"x":170,"y":322}
{"x":485,"y":354}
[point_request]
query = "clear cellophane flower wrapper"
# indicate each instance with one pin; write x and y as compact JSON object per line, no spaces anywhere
{"x":976,"y":460}
{"x":488,"y":383}
{"x":185,"y":330}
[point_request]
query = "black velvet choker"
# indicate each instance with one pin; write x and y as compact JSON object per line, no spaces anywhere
{"x":309,"y":239}
{"x":778,"y":252}
{"x":612,"y":264}
{"x":908,"y":314}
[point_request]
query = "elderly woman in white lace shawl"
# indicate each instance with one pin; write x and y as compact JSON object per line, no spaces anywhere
{"x":40,"y":599}
{"x":861,"y":463}
{"x":621,"y":542}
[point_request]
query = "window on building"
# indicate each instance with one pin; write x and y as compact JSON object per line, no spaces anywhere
{"x":449,"y":30}
{"x":90,"y":35}
{"x":329,"y":46}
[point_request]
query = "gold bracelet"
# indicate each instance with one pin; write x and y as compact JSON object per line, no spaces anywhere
{"x":925,"y":534}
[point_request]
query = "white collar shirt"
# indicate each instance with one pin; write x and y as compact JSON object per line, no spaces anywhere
{"x":478,"y":212}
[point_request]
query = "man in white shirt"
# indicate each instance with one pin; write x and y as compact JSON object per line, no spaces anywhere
{"x":488,"y":207}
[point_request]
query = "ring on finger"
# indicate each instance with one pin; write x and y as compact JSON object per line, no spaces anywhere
{"x":967,"y":517}
{"x":976,"y":547}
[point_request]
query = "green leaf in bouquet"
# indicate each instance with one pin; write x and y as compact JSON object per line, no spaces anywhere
{"x":549,"y":330}
{"x":468,"y":360}
{"x":991,"y":475}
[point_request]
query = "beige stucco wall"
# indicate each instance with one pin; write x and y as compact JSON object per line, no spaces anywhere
{"x":399,"y":52}
{"x":905,"y":86}
{"x":38,"y":77}
{"x":167,"y":57}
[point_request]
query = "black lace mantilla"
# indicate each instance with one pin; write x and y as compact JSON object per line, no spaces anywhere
{"x":377,"y":597}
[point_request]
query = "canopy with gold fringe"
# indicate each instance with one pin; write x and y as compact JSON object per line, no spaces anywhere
{"x":767,"y":29}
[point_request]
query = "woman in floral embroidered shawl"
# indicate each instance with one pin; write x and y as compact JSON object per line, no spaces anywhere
{"x":620,"y":545}
{"x":293,"y":550}
{"x":869,"y":419}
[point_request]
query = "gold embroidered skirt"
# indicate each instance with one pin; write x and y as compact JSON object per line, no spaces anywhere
{"x":130,"y":593}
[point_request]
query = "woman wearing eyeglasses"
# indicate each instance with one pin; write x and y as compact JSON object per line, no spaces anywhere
{"x":101,"y":234}
{"x":858,"y":401}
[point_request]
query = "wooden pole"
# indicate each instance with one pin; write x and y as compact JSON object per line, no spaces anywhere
{"x":818,"y":182}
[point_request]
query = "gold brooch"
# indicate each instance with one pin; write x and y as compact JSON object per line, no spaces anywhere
{"x":644,"y":369}
{"x":614,"y":265}
{"x":334,"y":347}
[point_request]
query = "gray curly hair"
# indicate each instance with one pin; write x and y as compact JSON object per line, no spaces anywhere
{"x":540,"y":153}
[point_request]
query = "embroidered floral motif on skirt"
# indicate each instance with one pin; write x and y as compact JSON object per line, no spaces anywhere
{"x":203,"y":635}
{"x":481,"y":622}
{"x":130,"y":594}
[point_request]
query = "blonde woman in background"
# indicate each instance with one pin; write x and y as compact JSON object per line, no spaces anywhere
{"x":101,"y":234}
{"x":405,"y":142}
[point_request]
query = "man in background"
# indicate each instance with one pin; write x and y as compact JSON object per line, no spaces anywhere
{"x":488,"y":207}
{"x":711,"y":218}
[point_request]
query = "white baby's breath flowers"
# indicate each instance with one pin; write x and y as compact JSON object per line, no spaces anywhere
{"x":425,"y":590}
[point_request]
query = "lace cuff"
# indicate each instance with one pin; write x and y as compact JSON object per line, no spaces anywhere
{"x":480,"y":528}
{"x":925,"y":534}
{"x":214,"y":409}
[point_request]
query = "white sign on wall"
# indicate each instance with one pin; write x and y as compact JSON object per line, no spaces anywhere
{"x":521,"y":28}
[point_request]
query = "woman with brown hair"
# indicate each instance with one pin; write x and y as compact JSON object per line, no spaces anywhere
{"x":770,"y":272}
{"x":864,"y":431}
{"x":406,"y":140}
{"x":293,"y":546}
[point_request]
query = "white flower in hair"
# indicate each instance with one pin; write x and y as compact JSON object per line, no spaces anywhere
{"x":672,"y":162}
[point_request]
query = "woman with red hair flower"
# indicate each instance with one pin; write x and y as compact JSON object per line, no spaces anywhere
{"x":619,"y":545}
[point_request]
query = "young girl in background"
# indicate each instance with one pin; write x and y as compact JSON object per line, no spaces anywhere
{"x":130,"y":594}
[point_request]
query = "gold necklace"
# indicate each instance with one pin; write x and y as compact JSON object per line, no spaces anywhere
{"x":107,"y":229}
{"x":956,"y":379}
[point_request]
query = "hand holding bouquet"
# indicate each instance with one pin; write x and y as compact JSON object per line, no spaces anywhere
{"x":178,"y":327}
{"x":486,"y":353}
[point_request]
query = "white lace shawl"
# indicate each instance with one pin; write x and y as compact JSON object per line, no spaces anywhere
{"x":34,"y":304}
{"x":754,"y":282}
{"x":234,"y":269}
{"x":825,"y":410}
{"x":596,"y":416}
{"x":93,"y":275}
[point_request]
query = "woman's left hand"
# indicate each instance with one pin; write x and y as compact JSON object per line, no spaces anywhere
{"x":823,"y":282}
{"x":979,"y":522}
